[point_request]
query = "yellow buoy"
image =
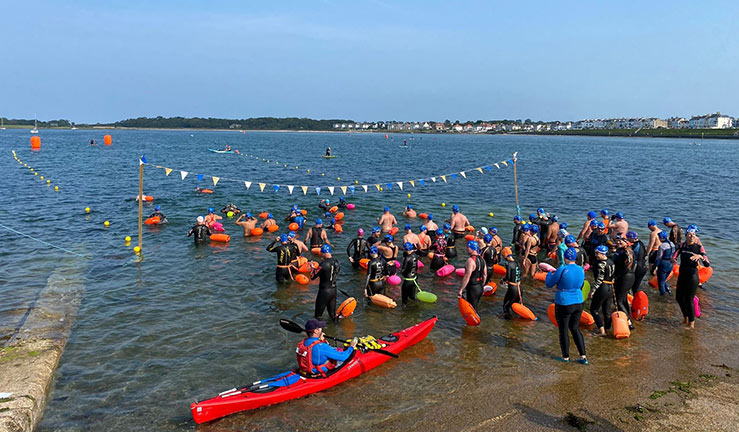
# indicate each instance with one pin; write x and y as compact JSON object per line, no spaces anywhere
{"x":338,"y":178}
{"x":42,"y":177}
{"x":48,"y":181}
{"x":106,"y":223}
{"x":356,"y":181}
{"x":322,"y":174}
{"x":35,"y":173}
{"x":136,"y":250}
{"x":491,"y":214}
{"x":87,"y":209}
{"x":308,"y":171}
{"x":443,"y":204}
{"x":127,"y":239}
{"x":56,"y":188}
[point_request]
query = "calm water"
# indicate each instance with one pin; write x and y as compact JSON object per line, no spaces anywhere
{"x":191,"y":321}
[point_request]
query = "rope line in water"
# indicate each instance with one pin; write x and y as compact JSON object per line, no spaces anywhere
{"x":44,"y":242}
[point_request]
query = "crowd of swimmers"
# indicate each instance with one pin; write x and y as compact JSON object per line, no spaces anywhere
{"x":616,"y":256}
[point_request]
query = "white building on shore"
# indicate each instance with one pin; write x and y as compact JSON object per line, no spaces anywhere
{"x":711,"y":121}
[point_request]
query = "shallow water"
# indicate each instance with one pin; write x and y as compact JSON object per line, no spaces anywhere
{"x":189,"y":322}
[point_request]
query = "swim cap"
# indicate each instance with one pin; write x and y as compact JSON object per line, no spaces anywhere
{"x":269,"y":216}
{"x":632,"y":235}
{"x":295,"y":206}
{"x":506,"y":252}
{"x":691,"y":231}
{"x":517,"y":218}
{"x":408,"y":227}
{"x":430,"y":216}
{"x":409,"y":207}
{"x":200,"y":219}
{"x":360,"y":232}
{"x":526,"y":227}
{"x":651,"y":222}
{"x":484,"y":230}
{"x":455,"y":208}
{"x":493,"y":230}
{"x":473,"y":245}
{"x":604,"y":212}
{"x":488,"y":238}
{"x":540,"y":210}
{"x":593,"y":223}
{"x":326,"y":249}
{"x":439,"y":231}
{"x":408,"y":246}
{"x":319,"y":221}
{"x":387,"y":209}
{"x":570,"y":254}
{"x":423,"y":228}
{"x":388,"y":238}
{"x":341,"y":199}
{"x":376,"y":229}
{"x":248,"y":214}
{"x":328,"y":202}
{"x":535,"y":229}
{"x":693,"y":227}
{"x":666,"y":220}
{"x":210,"y":210}
{"x":662,"y":235}
{"x":532,"y":216}
{"x":291,"y":234}
{"x":554,"y":218}
{"x":602,"y":249}
{"x":333,"y":221}
{"x":328,"y":214}
{"x":373,"y":250}
{"x":447,"y":226}
{"x":570,"y":239}
{"x":601,"y":225}
{"x":619,"y":215}
{"x":562,"y":233}
{"x":156,"y":207}
{"x":592,"y":215}
{"x":563,"y":225}
{"x":283,"y":238}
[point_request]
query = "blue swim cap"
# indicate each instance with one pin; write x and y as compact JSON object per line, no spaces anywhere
{"x":430,"y":216}
{"x":210,"y":210}
{"x":517,"y":218}
{"x":326,"y":249}
{"x":593,"y":223}
{"x":455,"y":208}
{"x":488,"y":238}
{"x":291,"y":234}
{"x":328,"y":202}
{"x":341,"y":199}
{"x":604,"y":212}
{"x":473,"y":245}
{"x":408,"y":246}
{"x":389,"y":238}
{"x":532,"y":216}
{"x":387,"y":209}
{"x":535,"y":229}
{"x":570,"y":239}
{"x":526,"y":227}
{"x":408,"y":227}
{"x":447,"y":226}
{"x":666,"y":220}
{"x":373,"y":250}
{"x":283,"y":238}
{"x":269,"y":216}
{"x":248,"y":214}
{"x":592,"y":215}
{"x":602,"y":249}
{"x":693,"y":227}
{"x":619,"y":215}
{"x":662,"y":235}
{"x":327,"y":214}
{"x":333,"y":221}
{"x":691,"y":231}
{"x":570,"y":254}
{"x":295,"y":206}
{"x":409,"y":206}
{"x":319,"y":221}
{"x":601,"y":225}
{"x":563,"y":225}
{"x":540,"y":210}
{"x":651,"y":222}
{"x":375,"y":229}
{"x":156,"y":207}
{"x":554,"y":218}
{"x":632,"y":235}
{"x":423,"y":228}
{"x":493,"y":230}
{"x":439,"y":231}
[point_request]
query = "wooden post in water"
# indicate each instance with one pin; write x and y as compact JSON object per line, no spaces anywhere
{"x":141,"y":200}
{"x":515,"y":182}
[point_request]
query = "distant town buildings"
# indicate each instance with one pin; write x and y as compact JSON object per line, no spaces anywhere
{"x":708,"y":121}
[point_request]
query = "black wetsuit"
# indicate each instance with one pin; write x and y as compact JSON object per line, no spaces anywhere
{"x":408,"y":271}
{"x":375,"y":272}
{"x":438,"y":247}
{"x":327,"y":271}
{"x":315,"y":238}
{"x":201,"y":232}
{"x":640,"y":255}
{"x":357,"y":250}
{"x":474,"y":285}
{"x":623,"y":279}
{"x":451,"y":248}
{"x":284,"y":257}
{"x":373,"y":240}
{"x":602,"y":289}
{"x":582,"y":257}
{"x":516,"y":237}
{"x":341,"y":205}
{"x":294,"y":252}
{"x":595,"y":241}
{"x":323,"y":206}
{"x":513,"y":280}
{"x":391,"y":268}
{"x":544,"y":225}
{"x":162,"y":217}
{"x":488,"y":254}
{"x":688,"y":279}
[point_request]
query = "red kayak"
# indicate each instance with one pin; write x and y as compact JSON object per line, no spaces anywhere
{"x":291,"y":385}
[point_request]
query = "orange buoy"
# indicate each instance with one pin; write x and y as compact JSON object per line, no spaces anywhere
{"x":339,"y":216}
{"x":307,"y":266}
{"x":489,"y":289}
{"x":469,"y":228}
{"x":629,"y":298}
{"x":148,"y":198}
{"x":551,"y":314}
{"x":393,"y":231}
{"x":430,"y":255}
{"x":36,"y":142}
{"x":293,"y":227}
{"x":263,"y":215}
{"x":468,"y":312}
{"x":273,"y":228}
{"x":338,"y":228}
{"x":523,"y":311}
{"x":586,"y":319}
{"x":499,"y":269}
{"x":256,"y":231}
{"x":363,"y":263}
{"x":676,"y":270}
{"x":653,"y":281}
{"x":108,"y":140}
{"x":423,"y":215}
{"x":705,"y":273}
{"x":154,"y":220}
{"x":347,"y":307}
{"x":225,"y":238}
{"x":206,"y":191}
{"x":384,"y":301}
{"x":304,"y":212}
{"x":333,"y":209}
{"x":540,"y":276}
{"x":302,"y":279}
{"x":469,"y":237}
{"x":316,"y":250}
{"x":640,"y":306}
{"x":620,"y":325}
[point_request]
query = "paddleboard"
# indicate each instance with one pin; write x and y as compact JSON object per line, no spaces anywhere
{"x":222,"y":151}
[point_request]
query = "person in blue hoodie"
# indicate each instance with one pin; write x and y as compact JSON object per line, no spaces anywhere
{"x":568,"y":303}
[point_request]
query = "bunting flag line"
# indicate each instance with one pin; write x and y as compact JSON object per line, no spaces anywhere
{"x":215,"y":180}
{"x":305,"y":189}
{"x":261,"y":187}
{"x":167,"y":171}
{"x":183,"y":174}
{"x":247,"y":184}
{"x":290,"y":189}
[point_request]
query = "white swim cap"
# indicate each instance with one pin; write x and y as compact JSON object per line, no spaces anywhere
{"x":200,"y":219}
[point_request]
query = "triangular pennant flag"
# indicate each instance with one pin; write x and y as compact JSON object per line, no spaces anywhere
{"x":510,"y":161}
{"x":290,"y":189}
{"x":351,"y":188}
{"x":365,"y":188}
{"x":183,"y":174}
{"x":433,"y":179}
{"x":487,"y":167}
{"x":423,"y":182}
{"x":331,"y":189}
{"x":497,"y":166}
{"x":167,"y":171}
{"x":142,"y":160}
{"x":463,"y":174}
{"x":261,"y":187}
{"x":443,"y":178}
{"x":377,"y":186}
{"x":215,"y":180}
{"x":318,"y":190}
{"x":247,"y":184}
{"x":400,"y":185}
{"x":413,"y":183}
{"x":454,"y":176}
{"x":389,"y":186}
{"x":343,"y":190}
{"x":479,"y":169}
{"x":305,"y":189}
{"x":277,"y":187}
{"x":200,"y":177}
{"x":504,"y":163}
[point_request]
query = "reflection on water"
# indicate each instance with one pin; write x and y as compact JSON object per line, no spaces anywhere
{"x":189,"y":322}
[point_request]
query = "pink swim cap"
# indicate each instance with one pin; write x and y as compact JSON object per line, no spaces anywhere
{"x":360,"y":232}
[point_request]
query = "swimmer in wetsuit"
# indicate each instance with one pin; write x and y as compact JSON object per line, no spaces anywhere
{"x":582,"y":257}
{"x":327,"y":271}
{"x":512,"y":279}
{"x":663,"y":263}
{"x":342,"y":203}
{"x":357,"y":248}
{"x":439,"y":249}
{"x":601,"y":291}
{"x":625,"y":266}
{"x":597,"y":238}
{"x":691,"y":255}
{"x":640,"y":258}
{"x":375,"y":283}
{"x":390,"y":252}
{"x":431,"y":227}
{"x":230,"y":208}
{"x":316,"y":236}
{"x":324,"y":205}
{"x":200,"y":230}
{"x":474,"y":276}
{"x":489,"y":255}
{"x":517,"y":224}
{"x":158,"y":213}
{"x":451,"y":238}
{"x":408,"y":272}
{"x":285,"y":257}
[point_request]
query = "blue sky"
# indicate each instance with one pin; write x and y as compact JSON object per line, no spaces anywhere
{"x":91,"y":61}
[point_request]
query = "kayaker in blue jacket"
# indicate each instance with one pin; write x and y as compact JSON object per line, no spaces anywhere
{"x":315,"y":355}
{"x":568,"y":303}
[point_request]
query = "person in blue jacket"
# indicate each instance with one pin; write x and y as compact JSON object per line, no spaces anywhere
{"x":315,"y":355}
{"x":568,"y":303}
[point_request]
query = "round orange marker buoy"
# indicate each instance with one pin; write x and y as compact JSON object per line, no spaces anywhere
{"x":35,"y":142}
{"x":108,"y":139}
